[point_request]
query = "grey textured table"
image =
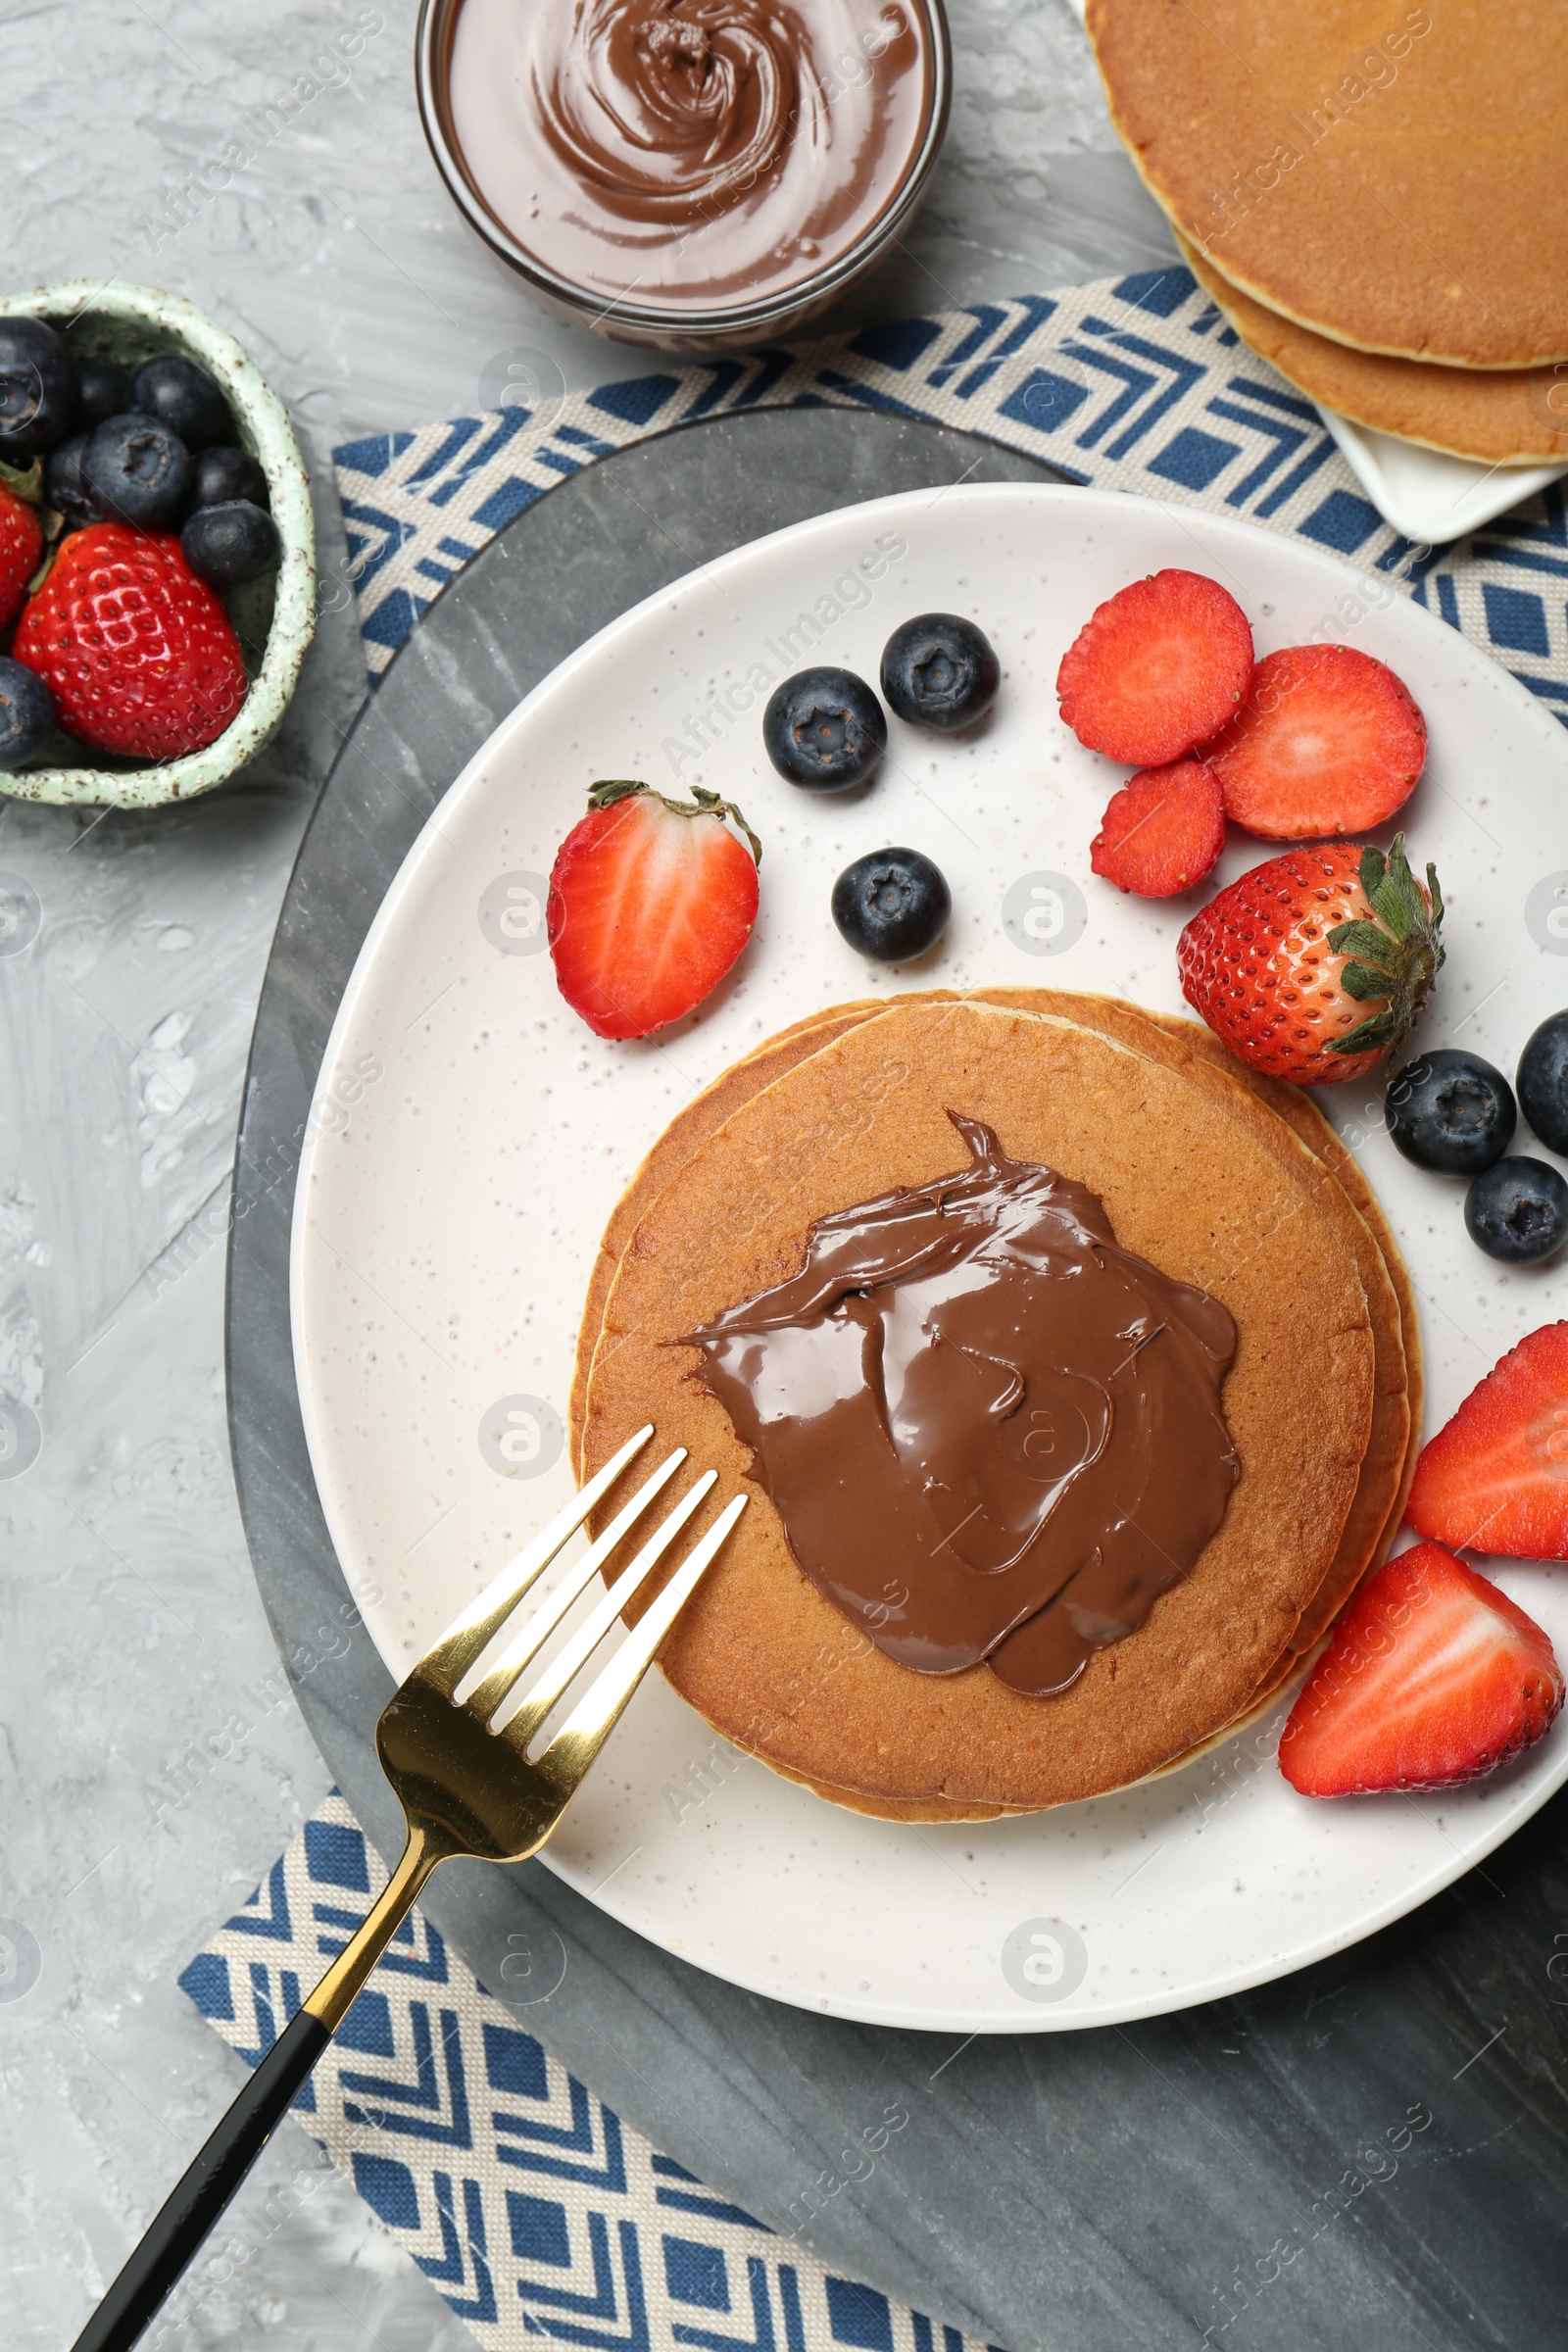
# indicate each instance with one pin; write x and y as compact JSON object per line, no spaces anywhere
{"x":133,"y":1627}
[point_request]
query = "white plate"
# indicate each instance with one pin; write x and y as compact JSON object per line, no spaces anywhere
{"x":1430,"y":497}
{"x":470,"y":1137}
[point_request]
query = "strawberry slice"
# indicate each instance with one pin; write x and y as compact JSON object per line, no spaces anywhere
{"x":1496,"y":1477}
{"x":651,"y":900}
{"x":1328,"y":741}
{"x":1432,"y":1677}
{"x":1163,"y":832}
{"x":1156,"y":670}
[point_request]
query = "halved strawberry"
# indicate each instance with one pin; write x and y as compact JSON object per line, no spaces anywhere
{"x":651,"y":900}
{"x":1314,"y":964}
{"x":1328,"y":741}
{"x":1158,"y":668}
{"x":1163,"y":832}
{"x":1432,"y":1677}
{"x":1496,"y":1477}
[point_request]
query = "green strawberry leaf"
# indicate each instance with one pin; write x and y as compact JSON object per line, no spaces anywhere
{"x":612,"y":789}
{"x":1391,"y":906}
{"x":1394,"y":959}
{"x":1436,"y":896}
{"x":703,"y":803}
{"x":24,"y":482}
{"x":1367,"y":1036}
{"x":1367,"y":943}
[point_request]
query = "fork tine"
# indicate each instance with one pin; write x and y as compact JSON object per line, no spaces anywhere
{"x":525,"y":1718}
{"x":599,"y":1710}
{"x":485,"y":1696}
{"x":472,"y":1631}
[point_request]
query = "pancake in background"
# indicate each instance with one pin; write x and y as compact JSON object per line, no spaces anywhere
{"x":1502,"y":416}
{"x":1388,"y":175}
{"x":1187,"y":1182}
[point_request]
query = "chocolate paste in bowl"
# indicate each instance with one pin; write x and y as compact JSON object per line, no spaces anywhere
{"x":687,"y":152}
{"x":990,"y":1432}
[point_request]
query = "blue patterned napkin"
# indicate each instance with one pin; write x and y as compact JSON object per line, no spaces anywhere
{"x":1133,"y":383}
{"x":529,"y":2203}
{"x":531,"y":2206}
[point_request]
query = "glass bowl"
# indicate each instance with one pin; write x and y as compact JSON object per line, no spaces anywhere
{"x":697,"y":327}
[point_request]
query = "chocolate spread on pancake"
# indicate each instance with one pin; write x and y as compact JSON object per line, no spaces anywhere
{"x":681,"y":151}
{"x":989,"y":1431}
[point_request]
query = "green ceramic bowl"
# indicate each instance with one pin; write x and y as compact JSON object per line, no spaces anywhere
{"x":274,"y":616}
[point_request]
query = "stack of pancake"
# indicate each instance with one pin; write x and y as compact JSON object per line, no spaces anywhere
{"x":1217,"y":1176}
{"x":1374,"y":195}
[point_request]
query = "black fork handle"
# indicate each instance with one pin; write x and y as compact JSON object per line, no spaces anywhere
{"x":198,"y":2201}
{"x":196,"y":2204}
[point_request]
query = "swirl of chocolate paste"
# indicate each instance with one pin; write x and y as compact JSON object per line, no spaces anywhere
{"x":990,"y":1432}
{"x":684,"y":150}
{"x":664,"y":108}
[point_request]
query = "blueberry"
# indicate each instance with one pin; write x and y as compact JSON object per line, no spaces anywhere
{"x":1543,"y":1082}
{"x":38,"y":388}
{"x":226,"y":546}
{"x":181,"y":395}
{"x":26,"y":714}
{"x":824,"y":728}
{"x":105,"y":392}
{"x":939,"y":670}
{"x":1518,"y":1211}
{"x":219,"y":474}
{"x":136,"y":472}
{"x":1450,"y":1112}
{"x":62,"y":486}
{"x":892,"y":905}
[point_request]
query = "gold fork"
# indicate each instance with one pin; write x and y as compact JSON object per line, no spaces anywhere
{"x":456,"y":1756}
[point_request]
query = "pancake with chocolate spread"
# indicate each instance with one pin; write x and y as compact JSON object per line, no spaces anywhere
{"x":989,"y":1431}
{"x":1395,"y":1437}
{"x":1187,"y":1187}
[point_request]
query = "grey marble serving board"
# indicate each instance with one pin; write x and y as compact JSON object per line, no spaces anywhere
{"x":1374,"y":2151}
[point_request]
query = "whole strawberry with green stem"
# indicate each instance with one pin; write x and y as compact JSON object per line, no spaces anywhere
{"x":140,"y":655}
{"x":1315,"y":964}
